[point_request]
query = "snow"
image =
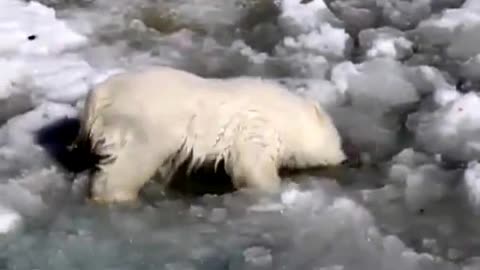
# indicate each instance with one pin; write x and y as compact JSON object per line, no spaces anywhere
{"x":400,"y":79}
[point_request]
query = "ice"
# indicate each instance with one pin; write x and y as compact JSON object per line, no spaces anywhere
{"x":14,"y":105}
{"x":356,"y":14}
{"x":439,"y":29}
{"x":451,"y":129}
{"x":313,"y":32}
{"x":378,"y":93}
{"x":40,"y":75}
{"x":217,"y":215}
{"x":297,"y":17}
{"x":450,"y":19}
{"x":474,"y":263}
{"x":472,"y":184}
{"x":374,"y":84}
{"x":26,"y":55}
{"x":425,"y":185}
{"x":421,"y":179}
{"x":373,"y":135}
{"x":257,"y":257}
{"x":463,"y":42}
{"x":403,"y":15}
{"x":471,"y":5}
{"x":470,"y":69}
{"x":64,"y":80}
{"x":22,"y":129}
{"x":424,"y":180}
{"x":323,"y":91}
{"x":384,"y":42}
{"x":179,"y":266}
{"x":27,"y":29}
{"x":328,"y":41}
{"x":41,"y":79}
{"x":10,"y":221}
{"x":14,"y":74}
{"x":428,"y":80}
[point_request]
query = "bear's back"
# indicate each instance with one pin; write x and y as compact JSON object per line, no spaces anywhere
{"x":163,"y":96}
{"x":168,"y":87}
{"x":155,"y":93}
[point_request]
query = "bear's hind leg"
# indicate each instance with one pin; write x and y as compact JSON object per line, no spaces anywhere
{"x":128,"y":164}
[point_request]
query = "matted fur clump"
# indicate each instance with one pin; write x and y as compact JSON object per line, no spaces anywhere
{"x":149,"y":122}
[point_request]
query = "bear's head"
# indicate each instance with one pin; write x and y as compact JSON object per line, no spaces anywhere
{"x":314,"y":141}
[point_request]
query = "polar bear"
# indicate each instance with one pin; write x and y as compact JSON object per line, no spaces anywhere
{"x":149,"y":122}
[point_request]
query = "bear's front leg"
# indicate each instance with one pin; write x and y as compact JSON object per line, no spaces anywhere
{"x":254,"y":173}
{"x":253,"y":162}
{"x":127,"y":165}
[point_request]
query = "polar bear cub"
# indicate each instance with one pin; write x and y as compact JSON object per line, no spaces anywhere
{"x":150,"y":122}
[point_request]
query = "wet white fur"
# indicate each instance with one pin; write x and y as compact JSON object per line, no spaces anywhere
{"x":151,"y":121}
